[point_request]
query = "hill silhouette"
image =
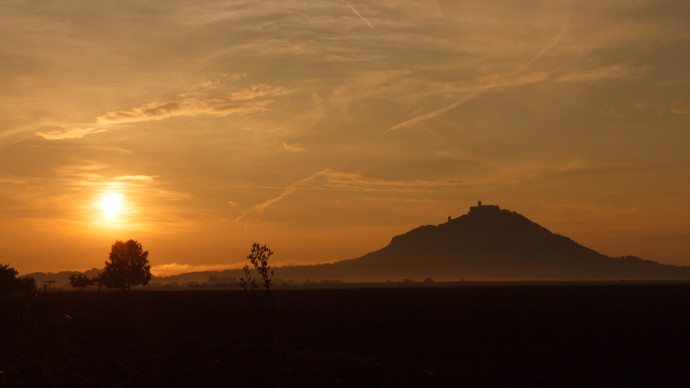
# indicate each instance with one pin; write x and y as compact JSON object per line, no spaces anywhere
{"x":487,"y":243}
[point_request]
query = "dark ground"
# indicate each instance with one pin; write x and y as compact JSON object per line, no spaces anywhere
{"x":571,"y":335}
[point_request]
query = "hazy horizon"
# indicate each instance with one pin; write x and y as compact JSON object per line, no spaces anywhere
{"x":323,"y":129}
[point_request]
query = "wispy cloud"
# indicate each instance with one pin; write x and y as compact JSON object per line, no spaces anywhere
{"x":188,"y":107}
{"x":599,"y":211}
{"x":293,"y":147}
{"x":600,"y":73}
{"x":68,"y":133}
{"x":639,"y":106}
{"x":176,"y":268}
{"x":91,"y":176}
{"x":13,"y":180}
{"x":364,"y":182}
{"x":680,"y":111}
{"x":82,"y":173}
{"x":213,"y":83}
{"x":398,"y":199}
{"x":250,"y":100}
{"x":134,"y":178}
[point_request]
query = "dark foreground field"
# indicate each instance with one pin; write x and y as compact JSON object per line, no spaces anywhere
{"x":504,"y":335}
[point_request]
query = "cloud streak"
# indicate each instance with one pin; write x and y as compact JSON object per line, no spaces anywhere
{"x":250,"y":100}
{"x":600,"y":73}
{"x":67,"y":133}
{"x":364,"y":182}
{"x":134,"y":178}
{"x":293,"y":147}
{"x":174,"y":268}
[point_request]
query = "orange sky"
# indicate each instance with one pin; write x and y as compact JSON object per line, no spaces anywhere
{"x":323,"y":128}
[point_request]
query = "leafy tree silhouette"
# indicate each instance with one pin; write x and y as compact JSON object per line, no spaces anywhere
{"x":128,"y":266}
{"x":80,"y":280}
{"x":259,"y":259}
{"x":100,"y":280}
{"x":29,"y":285}
{"x":8,"y":278}
{"x":47,"y":284}
{"x":9,"y":282}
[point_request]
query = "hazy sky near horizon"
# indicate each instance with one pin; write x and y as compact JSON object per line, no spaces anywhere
{"x":323,"y":128}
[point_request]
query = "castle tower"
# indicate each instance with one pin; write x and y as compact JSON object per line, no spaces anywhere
{"x":482,"y":209}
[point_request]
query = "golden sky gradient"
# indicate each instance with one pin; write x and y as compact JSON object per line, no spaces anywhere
{"x":323,"y":128}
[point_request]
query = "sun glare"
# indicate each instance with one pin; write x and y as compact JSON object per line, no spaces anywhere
{"x":112,"y":204}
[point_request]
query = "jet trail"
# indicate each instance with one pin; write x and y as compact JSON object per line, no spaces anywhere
{"x":479,"y":90}
{"x":544,"y":50}
{"x":359,"y":15}
{"x":260,"y":207}
{"x":437,"y":112}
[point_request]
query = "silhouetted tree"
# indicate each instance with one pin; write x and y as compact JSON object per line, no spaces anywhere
{"x":258,"y":257}
{"x":9,"y":282}
{"x":248,"y":284}
{"x":47,"y":284}
{"x":128,"y":266}
{"x":80,"y":280}
{"x":8,"y":277}
{"x":100,"y":280}
{"x":29,"y":285}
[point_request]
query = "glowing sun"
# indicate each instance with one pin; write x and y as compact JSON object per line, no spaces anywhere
{"x":112,"y":204}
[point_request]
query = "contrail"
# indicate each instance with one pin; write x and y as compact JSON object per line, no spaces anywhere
{"x":260,"y":207}
{"x":544,"y":50}
{"x":478,"y":91}
{"x":436,"y":112}
{"x":358,"y":14}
